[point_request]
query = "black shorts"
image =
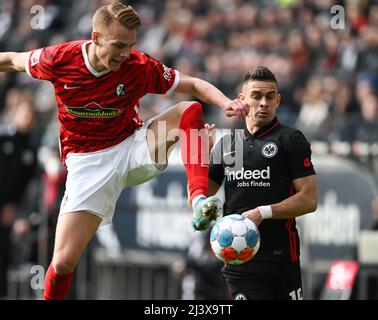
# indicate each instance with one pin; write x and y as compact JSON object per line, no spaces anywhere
{"x":265,"y":281}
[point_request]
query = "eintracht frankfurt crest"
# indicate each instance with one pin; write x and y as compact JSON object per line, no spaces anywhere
{"x":240,"y":296}
{"x":269,"y":150}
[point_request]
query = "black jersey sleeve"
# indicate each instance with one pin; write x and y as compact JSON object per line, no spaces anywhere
{"x":300,"y":156}
{"x":215,"y":167}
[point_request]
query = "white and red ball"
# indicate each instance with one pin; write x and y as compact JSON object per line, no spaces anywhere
{"x":235,"y":239}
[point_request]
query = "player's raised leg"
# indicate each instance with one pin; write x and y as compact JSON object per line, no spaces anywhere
{"x":73,"y":233}
{"x":185,"y":121}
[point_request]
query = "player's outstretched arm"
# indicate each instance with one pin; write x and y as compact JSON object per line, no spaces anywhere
{"x":208,"y":93}
{"x":13,"y":61}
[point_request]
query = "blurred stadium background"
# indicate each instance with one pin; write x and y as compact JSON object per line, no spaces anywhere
{"x":329,"y":82}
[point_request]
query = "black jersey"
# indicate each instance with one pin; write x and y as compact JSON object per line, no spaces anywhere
{"x":258,"y":170}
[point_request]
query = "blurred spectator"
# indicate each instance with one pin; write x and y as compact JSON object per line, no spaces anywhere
{"x":7,"y":19}
{"x":298,"y":52}
{"x":367,"y":130}
{"x":314,"y":109}
{"x":17,"y":168}
{"x":368,"y":55}
{"x":331,"y":54}
{"x":342,"y":117}
{"x":355,"y":15}
{"x":373,"y":14}
{"x":200,"y":271}
{"x":4,"y":87}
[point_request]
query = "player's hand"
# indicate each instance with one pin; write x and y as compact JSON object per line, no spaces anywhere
{"x":200,"y":224}
{"x":237,"y":108}
{"x":210,"y":129}
{"x":206,"y":210}
{"x":253,"y":215}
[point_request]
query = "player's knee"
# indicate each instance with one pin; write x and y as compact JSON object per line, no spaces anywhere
{"x":63,"y":265}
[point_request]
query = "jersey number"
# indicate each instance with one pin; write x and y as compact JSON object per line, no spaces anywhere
{"x":296,"y":294}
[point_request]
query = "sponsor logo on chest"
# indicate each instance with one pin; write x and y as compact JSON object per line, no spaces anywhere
{"x":248,"y":178}
{"x":93,"y":110}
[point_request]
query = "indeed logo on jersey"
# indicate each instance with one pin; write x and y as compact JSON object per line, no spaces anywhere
{"x":247,"y":178}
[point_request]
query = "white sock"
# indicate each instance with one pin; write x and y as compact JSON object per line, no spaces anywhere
{"x":197,"y":199}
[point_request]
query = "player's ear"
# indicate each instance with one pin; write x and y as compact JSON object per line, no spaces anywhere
{"x":241,"y":96}
{"x":278,"y":99}
{"x":95,"y":36}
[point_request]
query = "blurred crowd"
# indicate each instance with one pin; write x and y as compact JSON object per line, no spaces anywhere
{"x":328,"y":79}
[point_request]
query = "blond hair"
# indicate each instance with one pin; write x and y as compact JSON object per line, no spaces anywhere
{"x":116,"y":11}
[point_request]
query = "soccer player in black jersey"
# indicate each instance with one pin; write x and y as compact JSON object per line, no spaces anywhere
{"x":269,"y":178}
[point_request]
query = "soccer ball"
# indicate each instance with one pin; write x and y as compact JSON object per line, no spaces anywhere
{"x":234,"y":239}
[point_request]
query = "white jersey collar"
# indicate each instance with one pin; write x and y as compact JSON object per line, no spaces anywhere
{"x":87,"y":63}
